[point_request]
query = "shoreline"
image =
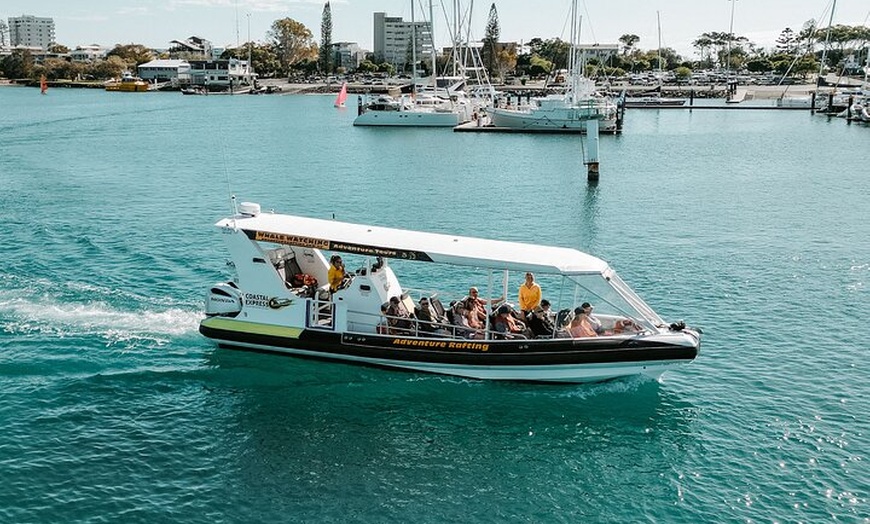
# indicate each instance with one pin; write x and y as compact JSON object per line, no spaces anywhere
{"x":756,"y":92}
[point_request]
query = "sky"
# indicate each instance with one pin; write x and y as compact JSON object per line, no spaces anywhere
{"x":226,"y":22}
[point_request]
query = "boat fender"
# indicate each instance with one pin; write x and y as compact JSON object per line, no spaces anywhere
{"x":278,"y":303}
{"x":678,"y":326}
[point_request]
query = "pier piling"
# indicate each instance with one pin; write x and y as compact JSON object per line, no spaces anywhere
{"x":592,"y":139}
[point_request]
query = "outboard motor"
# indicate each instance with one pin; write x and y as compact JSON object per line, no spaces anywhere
{"x":223,"y":300}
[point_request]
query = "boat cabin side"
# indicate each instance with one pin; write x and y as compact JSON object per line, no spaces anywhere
{"x":288,"y":285}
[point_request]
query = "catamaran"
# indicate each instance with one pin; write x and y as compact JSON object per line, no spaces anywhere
{"x":280,"y":300}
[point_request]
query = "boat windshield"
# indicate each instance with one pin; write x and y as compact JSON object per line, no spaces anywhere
{"x":610,"y":296}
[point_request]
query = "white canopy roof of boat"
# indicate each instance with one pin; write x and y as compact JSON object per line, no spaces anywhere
{"x":331,"y":235}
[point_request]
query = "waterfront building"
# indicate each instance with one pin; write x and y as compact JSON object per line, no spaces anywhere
{"x":347,"y":54}
{"x":87,"y":53}
{"x":31,"y":31}
{"x":601,"y":52}
{"x":393,"y":36}
{"x":164,"y":70}
{"x":4,"y":31}
{"x":193,"y":47}
{"x":218,"y":74}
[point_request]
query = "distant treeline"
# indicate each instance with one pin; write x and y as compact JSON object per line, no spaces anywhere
{"x":290,"y":50}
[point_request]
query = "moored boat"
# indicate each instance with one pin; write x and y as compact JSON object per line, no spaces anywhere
{"x":653,"y":101}
{"x":280,"y":301}
{"x":426,"y":109}
{"x":443,"y":102}
{"x":128,"y":84}
{"x":569,"y":111}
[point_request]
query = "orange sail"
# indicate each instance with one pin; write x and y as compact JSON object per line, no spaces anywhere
{"x":43,"y":85}
{"x":342,"y":96}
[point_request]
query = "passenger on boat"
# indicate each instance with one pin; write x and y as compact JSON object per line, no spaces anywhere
{"x":336,"y":274}
{"x":530,"y":294}
{"x":580,"y":326}
{"x":563,"y":319}
{"x":508,"y":326}
{"x":625,"y":326}
{"x":477,"y":306}
{"x":541,"y":323}
{"x":464,"y":328}
{"x":545,"y":307}
{"x":398,"y":318}
{"x":594,"y":322}
{"x":425,"y":319}
{"x":382,"y":327}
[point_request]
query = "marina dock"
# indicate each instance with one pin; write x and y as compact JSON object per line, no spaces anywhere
{"x":485,"y":126}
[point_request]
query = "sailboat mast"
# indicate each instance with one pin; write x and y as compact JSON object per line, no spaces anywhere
{"x":455,"y":34}
{"x":730,"y":37}
{"x":413,"y":51}
{"x":432,"y":40}
{"x":827,"y":41}
{"x":659,"y":53}
{"x":574,"y":65}
{"x":248,"y":68}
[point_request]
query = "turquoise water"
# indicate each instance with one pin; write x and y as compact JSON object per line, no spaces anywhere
{"x":750,"y":224}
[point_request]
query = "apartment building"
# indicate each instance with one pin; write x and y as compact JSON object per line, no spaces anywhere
{"x":347,"y":54}
{"x":393,"y":36}
{"x":31,"y":31}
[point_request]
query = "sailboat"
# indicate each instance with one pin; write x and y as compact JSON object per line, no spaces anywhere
{"x":43,"y":84}
{"x":443,"y":103}
{"x":656,"y":100}
{"x":342,"y":96}
{"x":564,"y":112}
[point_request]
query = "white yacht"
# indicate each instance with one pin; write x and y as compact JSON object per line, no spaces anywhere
{"x":438,"y":107}
{"x":279,"y":301}
{"x":440,"y":103}
{"x":568,"y":111}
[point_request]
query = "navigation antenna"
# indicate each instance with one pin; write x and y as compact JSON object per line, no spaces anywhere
{"x":237,"y":24}
{"x":233,"y":207}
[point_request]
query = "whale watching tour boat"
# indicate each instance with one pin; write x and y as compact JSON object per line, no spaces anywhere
{"x":289,"y":296}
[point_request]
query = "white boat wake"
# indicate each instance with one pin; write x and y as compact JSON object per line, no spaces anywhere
{"x":44,"y":315}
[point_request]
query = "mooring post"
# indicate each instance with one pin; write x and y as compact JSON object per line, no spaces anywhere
{"x":620,"y":113}
{"x":830,"y":108}
{"x":813,"y":103}
{"x":592,"y":140}
{"x":849,"y":109}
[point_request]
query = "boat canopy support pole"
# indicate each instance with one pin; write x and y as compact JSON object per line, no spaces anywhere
{"x":592,"y":139}
{"x":486,"y":326}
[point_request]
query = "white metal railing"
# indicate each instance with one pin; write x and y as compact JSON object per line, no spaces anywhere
{"x":321,"y":314}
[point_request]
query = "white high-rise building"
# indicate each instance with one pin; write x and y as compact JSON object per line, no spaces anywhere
{"x":3,"y":32}
{"x":392,"y":39}
{"x":31,"y":31}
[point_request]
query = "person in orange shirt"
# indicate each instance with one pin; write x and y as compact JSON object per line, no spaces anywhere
{"x":530,"y":294}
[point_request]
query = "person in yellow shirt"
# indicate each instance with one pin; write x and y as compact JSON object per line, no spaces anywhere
{"x":336,"y":273}
{"x":530,"y":294}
